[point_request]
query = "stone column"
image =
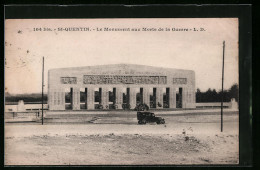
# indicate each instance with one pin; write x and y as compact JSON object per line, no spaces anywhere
{"x":90,"y":98}
{"x":188,"y":98}
{"x":119,"y":98}
{"x":50,"y":99}
{"x":59,"y":98}
{"x":172,"y":101}
{"x":146,"y":96}
{"x":191,"y":98}
{"x":132,"y":98}
{"x":105,"y":97}
{"x":63,"y":99}
{"x":159,"y":96}
{"x":55,"y":99}
{"x":76,"y":99}
{"x":194,"y":97}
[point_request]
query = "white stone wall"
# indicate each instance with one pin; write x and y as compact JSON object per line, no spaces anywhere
{"x":56,"y":90}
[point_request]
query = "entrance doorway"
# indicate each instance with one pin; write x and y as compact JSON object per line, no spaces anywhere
{"x":68,"y":98}
{"x":83,"y":98}
{"x":166,"y":97}
{"x":153,"y":98}
{"x":112,"y":98}
{"x":179,"y":98}
{"x":138,"y":96}
{"x":126,"y":99}
{"x":97,"y":96}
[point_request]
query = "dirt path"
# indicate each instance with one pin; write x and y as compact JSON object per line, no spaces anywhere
{"x":122,"y":149}
{"x":182,"y":140}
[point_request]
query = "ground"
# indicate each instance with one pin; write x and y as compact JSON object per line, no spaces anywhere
{"x":184,"y":139}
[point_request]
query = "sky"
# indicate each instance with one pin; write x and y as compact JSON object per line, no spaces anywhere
{"x":26,"y":42}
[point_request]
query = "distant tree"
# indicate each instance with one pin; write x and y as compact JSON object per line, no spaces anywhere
{"x":198,"y":96}
{"x":234,"y":92}
{"x":35,"y":97}
{"x":214,"y":96}
{"x":208,"y":96}
{"x":226,"y":96}
{"x":7,"y":94}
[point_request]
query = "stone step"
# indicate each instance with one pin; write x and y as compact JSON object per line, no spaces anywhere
{"x":92,"y":119}
{"x":66,"y":120}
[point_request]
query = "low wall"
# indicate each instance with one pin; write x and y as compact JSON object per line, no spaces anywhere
{"x":33,"y":107}
{"x":212,"y":105}
{"x":28,"y":107}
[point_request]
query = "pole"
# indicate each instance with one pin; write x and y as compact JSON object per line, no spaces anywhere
{"x":222,"y":96}
{"x":42,"y":85}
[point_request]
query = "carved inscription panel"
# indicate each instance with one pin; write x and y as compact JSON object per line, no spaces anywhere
{"x":179,"y":80}
{"x":119,"y":79}
{"x":68,"y":80}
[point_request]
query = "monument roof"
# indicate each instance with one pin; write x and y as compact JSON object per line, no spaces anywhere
{"x":135,"y":67}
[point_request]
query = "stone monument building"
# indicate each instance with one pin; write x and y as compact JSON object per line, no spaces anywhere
{"x":86,"y":88}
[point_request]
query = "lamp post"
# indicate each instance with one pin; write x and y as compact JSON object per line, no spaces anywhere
{"x":42,"y":85}
{"x":222,"y":86}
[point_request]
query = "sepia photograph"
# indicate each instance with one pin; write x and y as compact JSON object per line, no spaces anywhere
{"x":121,"y":91}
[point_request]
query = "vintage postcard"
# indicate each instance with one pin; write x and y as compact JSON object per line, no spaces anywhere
{"x":129,"y":91}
